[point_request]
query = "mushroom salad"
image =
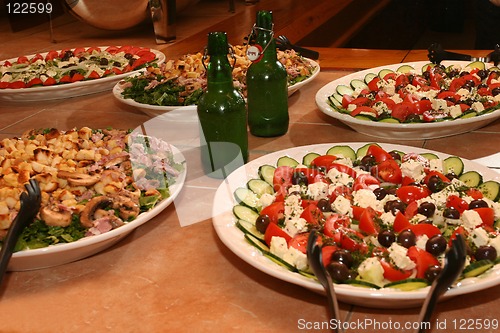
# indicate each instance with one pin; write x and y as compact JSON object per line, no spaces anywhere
{"x":92,"y":181}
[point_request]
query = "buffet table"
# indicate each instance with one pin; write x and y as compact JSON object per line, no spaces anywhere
{"x":173,"y":274}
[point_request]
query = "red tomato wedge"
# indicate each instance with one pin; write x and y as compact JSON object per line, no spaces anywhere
{"x":422,"y":259}
{"x":274,"y":231}
{"x":282,"y":180}
{"x":367,"y":222}
{"x":393,"y":274}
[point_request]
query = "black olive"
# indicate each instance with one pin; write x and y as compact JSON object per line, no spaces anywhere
{"x":478,"y":203}
{"x":483,"y":74}
{"x":82,"y":59}
{"x":427,"y":209}
{"x":394,"y":206}
{"x":395,"y":155}
{"x":486,"y":252}
{"x":299,"y":178}
{"x":344,"y":257}
{"x":495,"y":91}
{"x":380,"y":193}
{"x":367,"y":161}
{"x":72,"y":72}
{"x":407,"y":238}
{"x":338,"y":271}
{"x":436,"y":245}
{"x":103,"y":62}
{"x":451,"y":175}
{"x":386,"y":238}
{"x":432,"y":273}
{"x":451,"y":213}
{"x":262,"y":222}
{"x":413,"y":118}
{"x":128,"y":56}
{"x":132,"y":60}
{"x":324,"y":205}
{"x":117,"y":64}
{"x":436,"y":184}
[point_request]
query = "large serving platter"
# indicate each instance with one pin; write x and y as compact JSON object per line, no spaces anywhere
{"x":156,"y":110}
{"x":233,"y":238}
{"x":60,"y":254}
{"x":402,"y":131}
{"x":74,"y":89}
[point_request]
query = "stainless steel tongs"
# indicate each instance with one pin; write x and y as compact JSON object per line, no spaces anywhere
{"x":437,"y":54}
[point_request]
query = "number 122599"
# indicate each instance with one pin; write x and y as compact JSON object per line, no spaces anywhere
{"x":28,"y":8}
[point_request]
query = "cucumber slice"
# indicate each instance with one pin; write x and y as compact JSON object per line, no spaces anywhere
{"x":307,"y":274}
{"x":405,"y":69}
{"x":384,"y":72}
{"x":338,"y":97}
{"x":389,"y":120}
{"x":344,"y":90}
{"x":245,"y":213}
{"x":280,"y":261}
{"x":308,"y":158}
{"x":246,"y":197}
{"x":468,"y":114}
{"x":428,"y":66}
{"x":366,"y":117}
{"x":361,"y":283}
{"x":408,"y":284}
{"x":342,"y":150}
{"x":474,"y":65}
{"x":453,"y":164}
{"x":490,"y":189}
{"x":259,"y":187}
{"x":287,"y":161}
{"x":471,"y":178}
{"x":266,"y":173}
{"x":369,"y":77}
{"x":358,"y":84}
{"x":249,"y":228}
{"x":257,"y":243}
{"x":429,"y":156}
{"x":333,"y":101}
{"x":477,"y":268}
{"x":361,"y":152}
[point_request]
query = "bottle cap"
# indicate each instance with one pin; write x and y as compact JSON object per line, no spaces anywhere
{"x":217,"y":43}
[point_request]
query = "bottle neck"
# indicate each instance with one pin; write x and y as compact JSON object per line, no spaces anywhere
{"x":265,"y":38}
{"x":219,"y":72}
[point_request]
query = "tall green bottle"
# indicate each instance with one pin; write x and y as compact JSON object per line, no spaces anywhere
{"x":267,"y":91}
{"x":222,"y":114}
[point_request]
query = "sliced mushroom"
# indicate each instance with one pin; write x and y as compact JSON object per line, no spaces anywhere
{"x":55,"y":218}
{"x":87,"y":214}
{"x":79,"y":179}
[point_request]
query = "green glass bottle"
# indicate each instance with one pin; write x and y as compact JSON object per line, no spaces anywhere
{"x":267,"y":90}
{"x":222,"y":114}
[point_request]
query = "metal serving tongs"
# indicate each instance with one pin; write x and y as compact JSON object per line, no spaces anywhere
{"x":30,"y":205}
{"x":437,"y":54}
{"x":454,"y":263}
{"x":315,"y":259}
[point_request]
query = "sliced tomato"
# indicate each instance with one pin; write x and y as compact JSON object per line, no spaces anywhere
{"x":456,"y":84}
{"x":93,"y":75}
{"x":313,"y":175}
{"x":411,"y":210}
{"x":51,"y":55}
{"x":93,"y":49}
{"x":363,"y":109}
{"x":474,"y":193}
{"x":422,"y":259}
{"x":113,"y":49}
{"x":299,"y":242}
{"x":410,"y":193}
{"x":357,"y":212}
{"x":458,"y":231}
{"x":334,"y":223}
{"x":390,"y":76}
{"x":402,"y":80}
{"x":274,"y":211}
{"x":402,"y":110}
{"x":34,"y":82}
{"x":327,"y":251}
{"x":65,"y":79}
{"x":435,"y":173}
{"x":273,"y":230}
{"x":323,"y":161}
{"x":37,"y":57}
{"x":78,"y":51}
{"x":367,"y":222}
{"x":342,"y":168}
{"x":407,"y":181}
{"x":282,"y":180}
{"x":387,"y":101}
{"x":116,"y":70}
{"x":17,"y":85}
{"x":456,"y":202}
{"x":393,"y":274}
{"x":448,"y":94}
{"x":388,"y":171}
{"x":144,"y":59}
{"x":313,"y":215}
{"x":346,"y":100}
{"x":365,"y":181}
{"x":379,"y":153}
{"x":23,"y":60}
{"x":401,"y":222}
{"x":487,"y":215}
{"x":352,"y":240}
{"x":50,"y":81}
{"x":423,"y":105}
{"x":4,"y":85}
{"x":419,"y":81}
{"x":77,"y":77}
{"x":341,"y":190}
{"x":425,"y":229}
{"x":372,"y":85}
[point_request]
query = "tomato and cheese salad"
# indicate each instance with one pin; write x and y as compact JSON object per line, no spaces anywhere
{"x":91,"y":180}
{"x":181,"y":81}
{"x":385,"y":218}
{"x":72,"y":65}
{"x":434,"y":93}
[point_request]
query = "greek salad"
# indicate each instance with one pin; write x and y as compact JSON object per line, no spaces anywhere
{"x":431,"y":94}
{"x":72,"y":65}
{"x":385,"y":218}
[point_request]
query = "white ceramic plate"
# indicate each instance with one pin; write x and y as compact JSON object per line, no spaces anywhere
{"x":233,"y":238}
{"x":155,"y":110}
{"x":65,"y":253}
{"x":67,"y":90}
{"x":417,"y":131}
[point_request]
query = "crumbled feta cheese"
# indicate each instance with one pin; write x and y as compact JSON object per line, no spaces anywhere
{"x":266,"y":199}
{"x":278,"y":246}
{"x":339,"y":178}
{"x":422,"y":241}
{"x":372,"y":271}
{"x":479,"y":237}
{"x":293,"y":207}
{"x":318,"y":190}
{"x":495,"y":242}
{"x":477,"y":106}
{"x":295,"y":258}
{"x":471,"y":219}
{"x":388,"y":218}
{"x":455,"y":111}
{"x":439,"y":104}
{"x":413,"y":169}
{"x":342,"y":206}
{"x":366,"y":198}
{"x":397,"y":253}
{"x":294,"y":226}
